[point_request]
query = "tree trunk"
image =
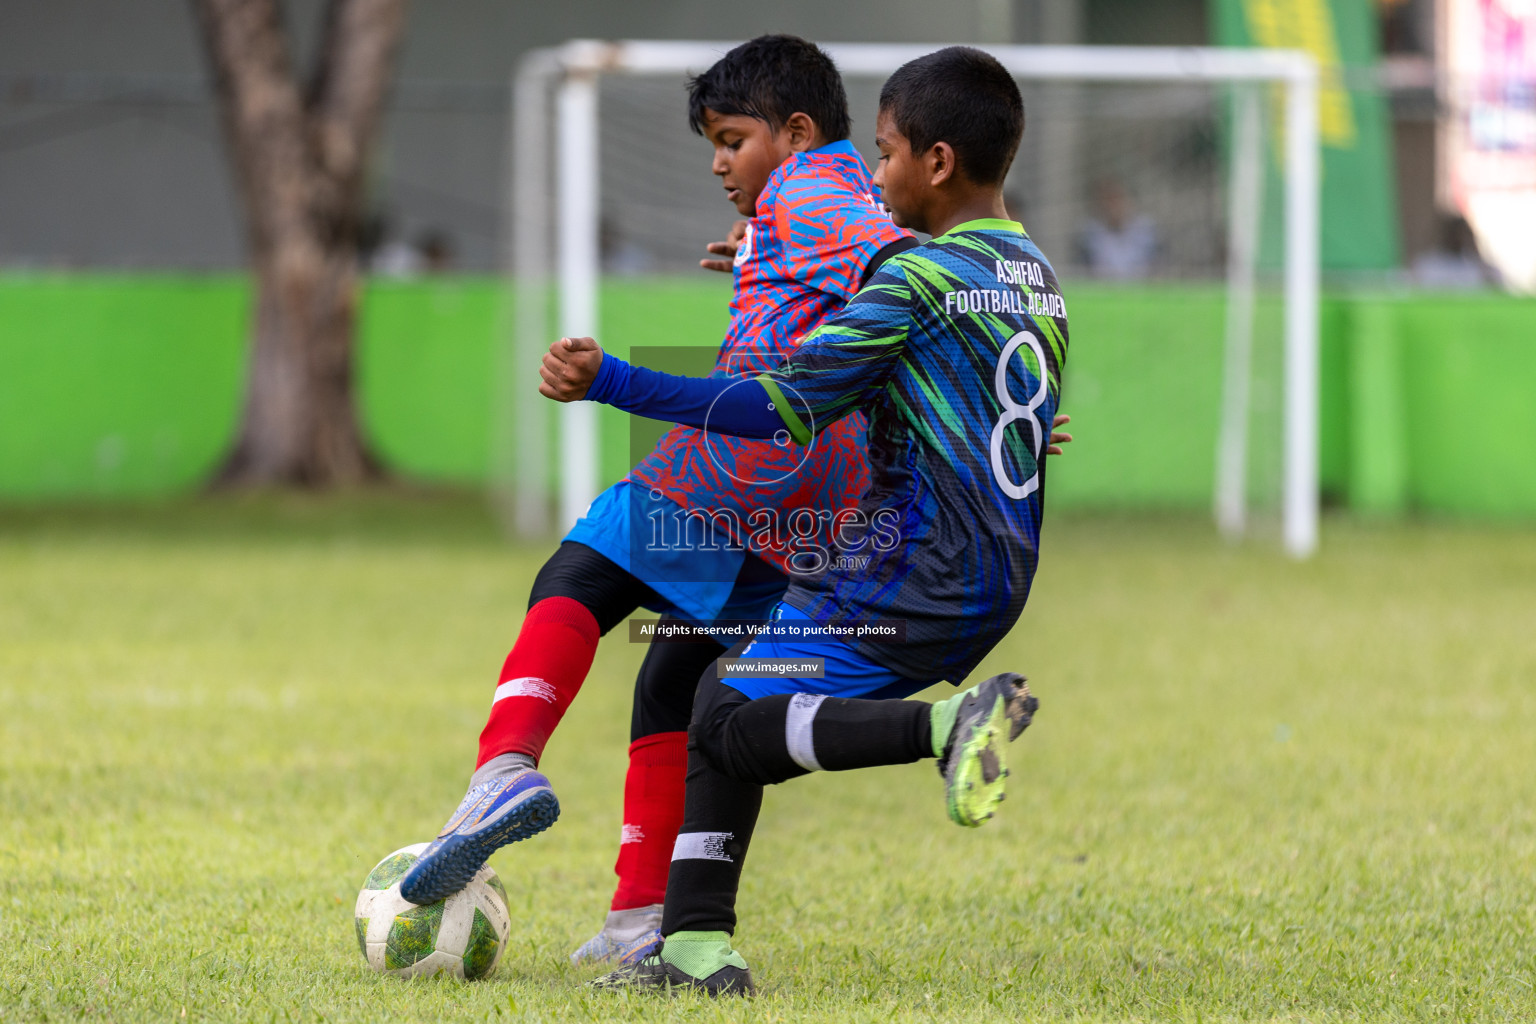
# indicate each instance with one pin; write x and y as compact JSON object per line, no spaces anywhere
{"x":299,"y":159}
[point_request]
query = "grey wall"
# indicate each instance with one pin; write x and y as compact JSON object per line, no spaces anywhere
{"x":110,"y":153}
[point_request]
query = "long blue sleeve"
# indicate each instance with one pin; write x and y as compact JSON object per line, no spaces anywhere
{"x":725,"y":405}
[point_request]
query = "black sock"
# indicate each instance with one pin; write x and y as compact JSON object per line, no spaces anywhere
{"x":847,"y":733}
{"x":735,"y":747}
{"x":718,"y":818}
{"x":772,"y":739}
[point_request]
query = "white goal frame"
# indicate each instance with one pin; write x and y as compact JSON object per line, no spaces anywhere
{"x":572,"y":72}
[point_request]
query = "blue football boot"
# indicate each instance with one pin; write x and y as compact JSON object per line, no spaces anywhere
{"x":494,"y":813}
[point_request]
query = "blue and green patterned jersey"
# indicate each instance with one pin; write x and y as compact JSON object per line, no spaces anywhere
{"x":954,"y":350}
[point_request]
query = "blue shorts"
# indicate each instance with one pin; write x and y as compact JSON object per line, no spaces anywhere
{"x":697,"y":584}
{"x":848,"y":673}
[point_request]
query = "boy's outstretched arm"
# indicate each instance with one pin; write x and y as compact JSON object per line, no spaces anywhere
{"x":577,"y":368}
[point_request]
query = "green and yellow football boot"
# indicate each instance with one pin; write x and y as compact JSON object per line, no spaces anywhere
{"x":971,"y":733}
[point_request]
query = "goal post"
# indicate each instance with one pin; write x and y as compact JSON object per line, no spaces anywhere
{"x":565,"y":79}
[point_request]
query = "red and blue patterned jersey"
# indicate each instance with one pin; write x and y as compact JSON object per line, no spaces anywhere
{"x":817,"y":226}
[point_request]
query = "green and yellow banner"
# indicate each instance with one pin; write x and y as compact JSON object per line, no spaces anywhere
{"x":1359,"y":201}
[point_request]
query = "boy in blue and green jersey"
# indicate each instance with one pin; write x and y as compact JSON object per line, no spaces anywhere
{"x":954,"y":351}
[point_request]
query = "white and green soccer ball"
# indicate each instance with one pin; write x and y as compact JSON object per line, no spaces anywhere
{"x":463,"y":935}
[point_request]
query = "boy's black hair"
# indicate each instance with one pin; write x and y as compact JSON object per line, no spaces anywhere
{"x":770,"y":78}
{"x":964,"y":97}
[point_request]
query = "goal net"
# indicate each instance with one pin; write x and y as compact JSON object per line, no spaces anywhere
{"x":1173,"y":190}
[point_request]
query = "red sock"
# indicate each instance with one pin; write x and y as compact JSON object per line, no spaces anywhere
{"x":547,"y":665}
{"x":653,"y":812}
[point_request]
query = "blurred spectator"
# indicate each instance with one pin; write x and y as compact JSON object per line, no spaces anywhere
{"x":436,"y":251}
{"x":396,"y":258}
{"x":1455,"y":263}
{"x":430,"y":253}
{"x":1117,"y":242}
{"x":1407,"y":26}
{"x":620,"y":254}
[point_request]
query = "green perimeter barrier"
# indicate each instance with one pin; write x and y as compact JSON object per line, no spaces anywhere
{"x":129,"y":386}
{"x":425,"y":353}
{"x":1440,"y":415}
{"x":428,"y":352}
{"x":117,"y":386}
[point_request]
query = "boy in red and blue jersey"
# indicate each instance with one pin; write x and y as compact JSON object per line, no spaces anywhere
{"x":814,"y":237}
{"x":776,"y":113}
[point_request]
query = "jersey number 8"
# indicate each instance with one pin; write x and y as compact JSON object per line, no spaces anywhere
{"x":1014,"y":412}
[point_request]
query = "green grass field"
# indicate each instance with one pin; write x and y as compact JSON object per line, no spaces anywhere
{"x":1256,"y":790}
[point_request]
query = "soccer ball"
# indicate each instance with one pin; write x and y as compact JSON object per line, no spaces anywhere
{"x":463,"y":935}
